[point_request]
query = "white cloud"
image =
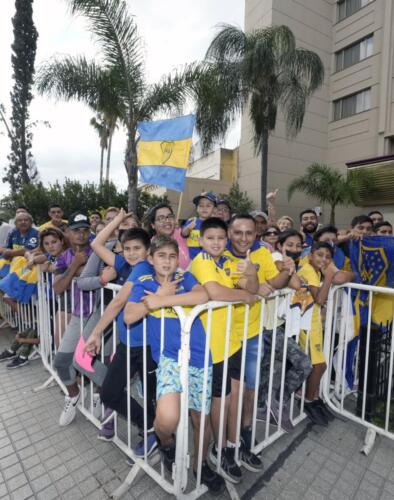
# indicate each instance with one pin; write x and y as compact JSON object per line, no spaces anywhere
{"x":173,"y":32}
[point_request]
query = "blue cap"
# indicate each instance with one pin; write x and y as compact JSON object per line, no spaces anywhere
{"x":208,"y":195}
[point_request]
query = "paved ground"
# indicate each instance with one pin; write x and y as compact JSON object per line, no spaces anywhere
{"x":40,"y":460}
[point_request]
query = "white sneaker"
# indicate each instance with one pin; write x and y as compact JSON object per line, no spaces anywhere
{"x":69,"y":410}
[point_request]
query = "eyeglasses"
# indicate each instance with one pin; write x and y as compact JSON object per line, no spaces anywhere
{"x":271,"y":233}
{"x":163,"y":218}
{"x":223,"y":209}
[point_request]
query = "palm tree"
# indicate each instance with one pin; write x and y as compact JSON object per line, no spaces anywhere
{"x":262,"y":70}
{"x":329,"y":186}
{"x":111,"y":126}
{"x":100,"y":125}
{"x":117,"y":85}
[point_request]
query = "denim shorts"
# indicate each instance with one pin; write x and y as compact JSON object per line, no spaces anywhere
{"x":252,"y":346}
{"x":168,"y":380}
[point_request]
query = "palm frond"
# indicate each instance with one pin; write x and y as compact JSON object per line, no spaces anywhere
{"x":74,"y":77}
{"x":228,"y":45}
{"x":170,"y":93}
{"x":70,"y":78}
{"x":116,"y":31}
{"x":220,"y":98}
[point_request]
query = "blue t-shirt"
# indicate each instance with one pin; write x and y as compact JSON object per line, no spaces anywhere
{"x":29,"y":240}
{"x":136,"y":332}
{"x":122,"y":268}
{"x":193,"y":240}
{"x":172,"y":326}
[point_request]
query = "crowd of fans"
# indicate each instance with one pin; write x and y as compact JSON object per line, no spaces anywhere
{"x":215,"y":255}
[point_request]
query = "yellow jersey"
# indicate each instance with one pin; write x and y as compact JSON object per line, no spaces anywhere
{"x":205,"y":269}
{"x":266,"y":270}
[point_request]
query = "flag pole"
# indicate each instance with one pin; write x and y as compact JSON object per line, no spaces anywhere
{"x":178,"y":213}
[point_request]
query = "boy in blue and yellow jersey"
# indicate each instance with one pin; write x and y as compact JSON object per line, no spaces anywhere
{"x":319,"y":273}
{"x":213,"y":270}
{"x":244,"y":250}
{"x":136,"y":243}
{"x":329,"y":234}
{"x":205,"y":204}
{"x":147,"y":298}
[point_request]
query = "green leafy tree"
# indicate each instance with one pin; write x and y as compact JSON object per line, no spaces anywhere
{"x":239,"y":200}
{"x":329,"y":186}
{"x":21,"y":168}
{"x":73,"y":195}
{"x":118,"y":84}
{"x":262,"y":71}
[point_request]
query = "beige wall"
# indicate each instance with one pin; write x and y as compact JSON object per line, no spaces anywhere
{"x":321,"y":139}
{"x":193,"y":187}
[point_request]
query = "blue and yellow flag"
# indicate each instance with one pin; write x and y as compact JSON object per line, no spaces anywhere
{"x":164,"y":150}
{"x":20,"y":283}
{"x":372,"y":260}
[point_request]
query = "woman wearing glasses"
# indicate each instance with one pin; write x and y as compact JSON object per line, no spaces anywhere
{"x":271,"y":235}
{"x":162,"y":223}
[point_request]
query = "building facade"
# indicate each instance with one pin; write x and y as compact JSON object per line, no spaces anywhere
{"x":351,"y":118}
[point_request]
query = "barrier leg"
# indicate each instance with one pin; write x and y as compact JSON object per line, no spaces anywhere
{"x":125,"y":486}
{"x":50,"y":382}
{"x":369,"y":441}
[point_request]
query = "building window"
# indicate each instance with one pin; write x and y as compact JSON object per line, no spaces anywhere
{"x":348,"y":7}
{"x":352,"y":104}
{"x":390,"y":145}
{"x":354,"y":53}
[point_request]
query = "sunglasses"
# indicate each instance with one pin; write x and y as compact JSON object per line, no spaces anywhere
{"x":271,"y":233}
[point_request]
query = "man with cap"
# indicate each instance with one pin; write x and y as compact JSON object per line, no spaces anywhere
{"x":68,"y":266}
{"x":205,"y":204}
{"x":261,"y":219}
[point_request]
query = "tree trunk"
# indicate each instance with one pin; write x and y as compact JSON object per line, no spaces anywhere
{"x":23,"y":159}
{"x":264,"y":170}
{"x":101,"y":166}
{"x":332,"y":215}
{"x":109,"y":155}
{"x":131,"y":169}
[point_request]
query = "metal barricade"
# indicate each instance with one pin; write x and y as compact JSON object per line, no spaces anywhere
{"x":360,"y":354}
{"x":181,"y":483}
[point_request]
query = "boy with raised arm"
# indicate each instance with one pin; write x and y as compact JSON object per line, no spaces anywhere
{"x":147,"y":300}
{"x":213,"y":270}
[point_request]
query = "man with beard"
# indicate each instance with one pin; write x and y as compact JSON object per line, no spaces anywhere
{"x":309,"y":223}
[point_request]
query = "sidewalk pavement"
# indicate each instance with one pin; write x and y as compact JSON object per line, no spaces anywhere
{"x":40,"y":460}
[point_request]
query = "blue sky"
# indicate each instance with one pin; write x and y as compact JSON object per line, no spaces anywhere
{"x":174,"y":32}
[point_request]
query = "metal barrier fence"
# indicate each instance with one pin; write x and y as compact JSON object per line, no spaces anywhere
{"x":357,"y":384}
{"x":359,"y":381}
{"x":180,"y":480}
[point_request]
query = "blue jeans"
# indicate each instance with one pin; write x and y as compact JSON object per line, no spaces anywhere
{"x":252,"y":346}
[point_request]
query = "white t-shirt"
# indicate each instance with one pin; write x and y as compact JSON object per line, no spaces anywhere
{"x":5,"y":230}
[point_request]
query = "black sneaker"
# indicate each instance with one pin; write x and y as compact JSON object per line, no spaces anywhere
{"x":168,"y":456}
{"x":229,"y":469}
{"x":211,"y":479}
{"x":7,"y":355}
{"x":249,"y":460}
{"x":323,"y":408}
{"x":314,"y":413}
{"x":17,"y":363}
